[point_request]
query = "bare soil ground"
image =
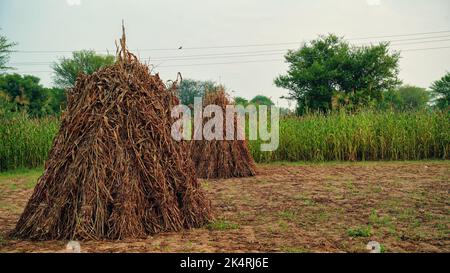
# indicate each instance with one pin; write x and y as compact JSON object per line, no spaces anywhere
{"x":289,"y":207}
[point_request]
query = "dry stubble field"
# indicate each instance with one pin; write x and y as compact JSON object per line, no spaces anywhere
{"x":289,"y":207}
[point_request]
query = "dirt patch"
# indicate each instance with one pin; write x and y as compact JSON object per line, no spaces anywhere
{"x":333,"y":207}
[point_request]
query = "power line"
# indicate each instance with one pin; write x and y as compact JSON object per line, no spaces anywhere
{"x":196,"y":64}
{"x":400,"y":35}
{"x":214,"y":55}
{"x":421,"y":42}
{"x":191,"y":57}
{"x":227,"y":53}
{"x":224,"y":55}
{"x":408,"y":39}
{"x":428,"y":48}
{"x":239,"y":45}
{"x":411,"y":49}
{"x":236,"y":62}
{"x":243,"y":62}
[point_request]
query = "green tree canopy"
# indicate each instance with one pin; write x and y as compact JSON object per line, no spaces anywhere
{"x":329,"y":66}
{"x":26,"y":93}
{"x":240,"y":101}
{"x":413,"y":97}
{"x":5,"y":51}
{"x":261,"y":100}
{"x":66,"y":70}
{"x":441,"y":92}
{"x":189,"y":89}
{"x":406,"y":97}
{"x":57,"y":99}
{"x":391,"y":100}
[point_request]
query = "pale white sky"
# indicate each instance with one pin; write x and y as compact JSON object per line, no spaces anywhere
{"x":66,"y":25}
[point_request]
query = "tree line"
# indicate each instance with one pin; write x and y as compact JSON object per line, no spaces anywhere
{"x":328,"y":73}
{"x":325,"y":74}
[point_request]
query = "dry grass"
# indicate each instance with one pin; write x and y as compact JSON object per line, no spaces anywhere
{"x":295,"y":207}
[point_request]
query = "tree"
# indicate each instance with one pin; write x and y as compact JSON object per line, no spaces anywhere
{"x":329,"y":67}
{"x":413,"y":97}
{"x":66,"y":70}
{"x":26,"y":93}
{"x":261,"y":100}
{"x":57,"y":99}
{"x":189,"y":89}
{"x":391,"y":100}
{"x":5,"y":51}
{"x":441,"y":92}
{"x":7,"y":107}
{"x":240,"y":101}
{"x":405,"y":98}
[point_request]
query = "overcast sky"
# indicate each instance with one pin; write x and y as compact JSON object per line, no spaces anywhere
{"x":158,"y":27}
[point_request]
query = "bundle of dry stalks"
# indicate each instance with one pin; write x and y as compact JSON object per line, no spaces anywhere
{"x":221,"y":158}
{"x":114,"y":170}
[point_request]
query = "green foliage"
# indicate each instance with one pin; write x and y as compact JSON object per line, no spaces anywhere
{"x":57,"y":99}
{"x":261,"y":100}
{"x":257,"y":100}
{"x":189,"y":89}
{"x":406,"y":98}
{"x":5,"y":50}
{"x":25,"y":142}
{"x":28,"y":177}
{"x":66,"y":70}
{"x":441,"y":91}
{"x":377,"y":220}
{"x":364,"y":231}
{"x":365,"y":135}
{"x":329,"y":66}
{"x":391,"y":100}
{"x":7,"y":107}
{"x":26,"y":93}
{"x":222,"y":224}
{"x":287,"y":215}
{"x":413,"y":97}
{"x":240,"y":101}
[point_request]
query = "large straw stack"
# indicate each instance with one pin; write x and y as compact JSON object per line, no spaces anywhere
{"x":114,"y":170}
{"x":221,"y":158}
